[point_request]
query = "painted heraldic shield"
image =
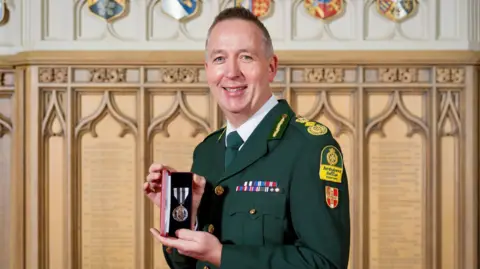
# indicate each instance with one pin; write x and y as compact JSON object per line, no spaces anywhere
{"x":260,"y":8}
{"x":3,"y":12}
{"x":396,"y":10}
{"x":108,"y":10}
{"x":325,"y":9}
{"x":180,"y":9}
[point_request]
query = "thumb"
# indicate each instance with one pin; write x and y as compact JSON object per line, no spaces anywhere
{"x":199,"y":180}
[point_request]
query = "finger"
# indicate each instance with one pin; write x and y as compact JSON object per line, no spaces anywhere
{"x":158,"y":167}
{"x":150,"y":192}
{"x":146,"y":187}
{"x":180,"y":245}
{"x":187,"y":235}
{"x":153,"y":176}
{"x":155,"y":168}
{"x":163,"y":240}
{"x":149,"y":187}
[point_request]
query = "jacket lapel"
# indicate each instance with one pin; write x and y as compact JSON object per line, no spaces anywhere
{"x":262,"y":139}
{"x":217,"y":162}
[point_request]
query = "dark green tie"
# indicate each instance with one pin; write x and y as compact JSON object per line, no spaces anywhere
{"x":234,"y":141}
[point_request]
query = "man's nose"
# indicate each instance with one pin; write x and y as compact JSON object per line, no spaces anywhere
{"x":233,"y":69}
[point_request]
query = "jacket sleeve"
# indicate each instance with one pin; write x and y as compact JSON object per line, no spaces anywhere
{"x":322,"y":231}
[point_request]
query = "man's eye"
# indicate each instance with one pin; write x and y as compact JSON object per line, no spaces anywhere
{"x":246,"y":57}
{"x":218,"y":59}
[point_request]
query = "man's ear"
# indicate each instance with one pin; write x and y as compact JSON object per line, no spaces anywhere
{"x":273,"y":67}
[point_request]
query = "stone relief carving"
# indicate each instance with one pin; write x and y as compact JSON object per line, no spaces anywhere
{"x":179,"y":75}
{"x":107,"y":105}
{"x":53,"y":75}
{"x":405,"y":75}
{"x":450,"y":75}
{"x":53,"y":123}
{"x":6,"y":92}
{"x":111,"y":75}
{"x":329,"y":75}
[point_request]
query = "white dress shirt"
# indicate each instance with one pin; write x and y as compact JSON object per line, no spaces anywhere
{"x":247,"y":128}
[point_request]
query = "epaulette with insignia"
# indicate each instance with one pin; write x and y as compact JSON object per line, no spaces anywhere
{"x":312,"y":127}
{"x":280,"y":127}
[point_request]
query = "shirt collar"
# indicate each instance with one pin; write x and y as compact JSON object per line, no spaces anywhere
{"x":247,"y":128}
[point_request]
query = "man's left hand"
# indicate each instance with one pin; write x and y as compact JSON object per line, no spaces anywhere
{"x":199,"y":245}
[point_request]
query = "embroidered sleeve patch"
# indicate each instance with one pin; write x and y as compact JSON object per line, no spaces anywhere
{"x":331,"y":196}
{"x":331,"y":165}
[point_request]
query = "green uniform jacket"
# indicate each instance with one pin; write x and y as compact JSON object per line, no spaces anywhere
{"x":302,"y":222}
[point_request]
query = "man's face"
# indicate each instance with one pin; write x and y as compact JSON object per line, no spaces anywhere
{"x":238,"y":69}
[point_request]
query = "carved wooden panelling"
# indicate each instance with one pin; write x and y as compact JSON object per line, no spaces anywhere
{"x":404,"y":131}
{"x":101,"y":127}
{"x":7,"y":79}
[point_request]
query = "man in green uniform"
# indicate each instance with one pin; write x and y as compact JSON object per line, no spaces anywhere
{"x":271,"y":189}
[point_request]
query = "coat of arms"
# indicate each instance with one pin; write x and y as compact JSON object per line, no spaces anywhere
{"x":260,"y":8}
{"x":4,"y":13}
{"x":180,"y":9}
{"x":325,"y":9}
{"x":396,"y":10}
{"x":108,"y":10}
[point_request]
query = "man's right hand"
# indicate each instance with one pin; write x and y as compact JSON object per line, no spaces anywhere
{"x":153,"y":187}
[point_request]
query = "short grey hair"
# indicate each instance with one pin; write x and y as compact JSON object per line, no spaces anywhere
{"x":242,"y":13}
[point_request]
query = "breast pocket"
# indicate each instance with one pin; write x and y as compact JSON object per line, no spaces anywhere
{"x":258,"y":220}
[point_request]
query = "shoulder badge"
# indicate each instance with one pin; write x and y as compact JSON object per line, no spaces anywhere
{"x":331,"y":164}
{"x":313,"y":127}
{"x":331,"y":196}
{"x":301,"y":119}
{"x":317,"y":129}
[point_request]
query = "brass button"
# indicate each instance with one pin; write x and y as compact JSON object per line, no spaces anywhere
{"x":219,"y":190}
{"x":252,"y":211}
{"x":206,"y":267}
{"x":169,"y":250}
{"x":211,"y":228}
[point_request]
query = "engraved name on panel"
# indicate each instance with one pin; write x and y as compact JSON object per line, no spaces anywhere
{"x":396,"y":133}
{"x":396,"y":204}
{"x":396,"y":186}
{"x":108,"y":190}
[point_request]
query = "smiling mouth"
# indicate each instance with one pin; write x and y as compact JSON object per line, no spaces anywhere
{"x":234,"y":89}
